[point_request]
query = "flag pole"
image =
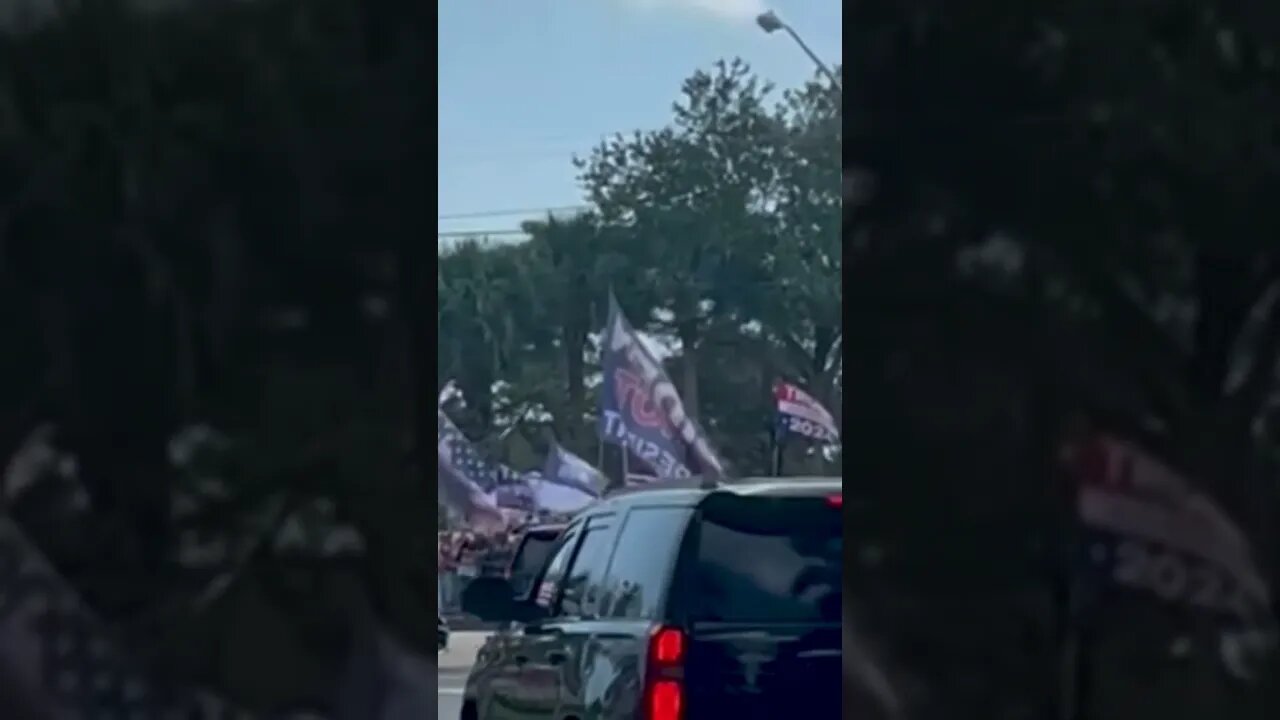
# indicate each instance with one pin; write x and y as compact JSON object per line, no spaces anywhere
{"x":600,"y":455}
{"x":1078,"y":605}
{"x":775,"y":433}
{"x":775,"y":445}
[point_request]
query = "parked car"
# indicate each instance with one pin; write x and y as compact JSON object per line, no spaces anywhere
{"x":679,"y":602}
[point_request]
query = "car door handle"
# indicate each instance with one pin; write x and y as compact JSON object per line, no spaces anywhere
{"x":557,"y":658}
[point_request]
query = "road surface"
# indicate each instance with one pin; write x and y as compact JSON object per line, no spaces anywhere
{"x":449,"y":706}
{"x":454,"y":665}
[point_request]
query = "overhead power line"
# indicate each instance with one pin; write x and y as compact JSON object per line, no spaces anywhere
{"x":515,"y":211}
{"x":478,"y":233}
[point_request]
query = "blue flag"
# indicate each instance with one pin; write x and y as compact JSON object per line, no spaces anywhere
{"x":566,"y":469}
{"x":519,"y":496}
{"x":800,"y":413}
{"x":641,"y":410}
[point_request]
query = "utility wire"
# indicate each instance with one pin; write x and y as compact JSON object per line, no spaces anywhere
{"x":514,"y":211}
{"x":477,"y":233}
{"x":539,"y":144}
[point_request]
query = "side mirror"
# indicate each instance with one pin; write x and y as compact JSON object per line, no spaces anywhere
{"x":491,"y":599}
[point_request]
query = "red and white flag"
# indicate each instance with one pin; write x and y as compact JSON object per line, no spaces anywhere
{"x":798,"y":412}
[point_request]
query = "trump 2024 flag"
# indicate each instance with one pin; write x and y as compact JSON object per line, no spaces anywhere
{"x":799,"y":413}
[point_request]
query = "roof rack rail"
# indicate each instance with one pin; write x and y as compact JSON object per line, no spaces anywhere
{"x":687,"y":483}
{"x":711,"y":482}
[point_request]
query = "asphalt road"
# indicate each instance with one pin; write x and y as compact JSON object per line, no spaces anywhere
{"x":449,"y":705}
{"x":454,"y":664}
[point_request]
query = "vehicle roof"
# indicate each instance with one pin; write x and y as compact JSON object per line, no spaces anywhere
{"x":544,"y":527}
{"x":692,"y":491}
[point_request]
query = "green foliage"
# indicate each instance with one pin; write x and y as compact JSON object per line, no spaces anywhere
{"x":207,"y":214}
{"x":1060,"y":217}
{"x":718,"y":233}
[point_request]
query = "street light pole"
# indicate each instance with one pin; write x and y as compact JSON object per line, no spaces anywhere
{"x":770,"y":23}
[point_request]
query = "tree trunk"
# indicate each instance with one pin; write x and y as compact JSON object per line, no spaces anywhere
{"x":56,"y":321}
{"x":187,"y":372}
{"x":222,"y":311}
{"x":689,"y":337}
{"x":574,"y":340}
{"x":824,"y":338}
{"x":822,"y":374}
{"x":1223,"y":312}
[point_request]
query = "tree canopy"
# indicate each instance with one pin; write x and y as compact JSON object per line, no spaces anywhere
{"x":718,"y":234}
{"x":211,"y":217}
{"x":1057,"y":216}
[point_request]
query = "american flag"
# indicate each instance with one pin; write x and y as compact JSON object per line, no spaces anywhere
{"x":459,"y":457}
{"x":565,"y":468}
{"x":61,"y":662}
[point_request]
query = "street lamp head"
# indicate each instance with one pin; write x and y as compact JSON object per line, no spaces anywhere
{"x":769,"y":21}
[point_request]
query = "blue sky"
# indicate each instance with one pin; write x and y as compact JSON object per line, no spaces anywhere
{"x":524,"y":84}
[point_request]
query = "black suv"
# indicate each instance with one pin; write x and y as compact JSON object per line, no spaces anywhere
{"x":674,"y":603}
{"x":531,"y":555}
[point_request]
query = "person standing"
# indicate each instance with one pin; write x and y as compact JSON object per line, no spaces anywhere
{"x":446,"y":567}
{"x":468,"y":555}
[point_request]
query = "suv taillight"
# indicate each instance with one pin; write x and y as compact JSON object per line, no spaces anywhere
{"x":664,"y":681}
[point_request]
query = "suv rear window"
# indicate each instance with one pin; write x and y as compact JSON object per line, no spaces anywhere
{"x":532,"y":555}
{"x":768,"y":560}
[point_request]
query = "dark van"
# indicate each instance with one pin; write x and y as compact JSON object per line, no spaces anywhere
{"x":674,"y":603}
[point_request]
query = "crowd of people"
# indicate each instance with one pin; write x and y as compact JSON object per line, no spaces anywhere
{"x":463,"y":555}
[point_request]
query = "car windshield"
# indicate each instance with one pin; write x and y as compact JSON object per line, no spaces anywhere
{"x":768,"y":560}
